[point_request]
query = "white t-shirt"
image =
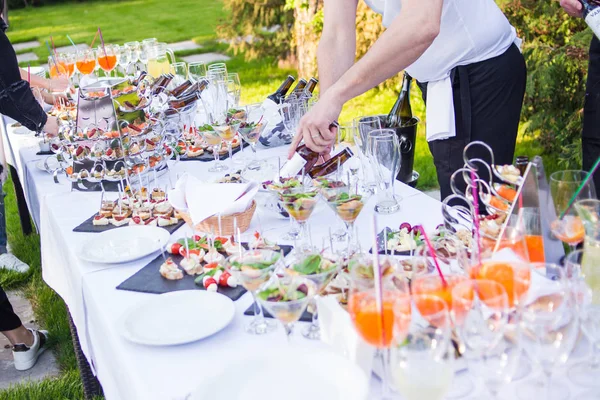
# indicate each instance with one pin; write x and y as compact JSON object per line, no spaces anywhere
{"x":471,"y":31}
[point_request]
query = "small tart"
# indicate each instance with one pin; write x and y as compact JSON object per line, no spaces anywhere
{"x":169,"y":270}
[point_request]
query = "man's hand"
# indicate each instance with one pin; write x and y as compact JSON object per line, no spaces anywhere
{"x":572,"y":7}
{"x":315,"y":128}
{"x":51,"y":127}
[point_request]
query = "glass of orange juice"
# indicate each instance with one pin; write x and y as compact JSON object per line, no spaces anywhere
{"x":563,"y":186}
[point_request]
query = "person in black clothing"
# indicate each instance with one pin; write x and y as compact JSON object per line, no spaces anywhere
{"x":17,"y":101}
{"x":590,"y":136}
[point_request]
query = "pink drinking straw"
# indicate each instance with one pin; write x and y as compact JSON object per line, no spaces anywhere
{"x":476,"y":215}
{"x":103,"y":47}
{"x":435,"y":260}
{"x":377,"y":278}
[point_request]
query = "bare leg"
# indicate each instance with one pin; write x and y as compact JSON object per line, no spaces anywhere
{"x":19,"y":335}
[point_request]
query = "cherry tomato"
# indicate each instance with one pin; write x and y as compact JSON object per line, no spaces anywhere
{"x":176,"y":248}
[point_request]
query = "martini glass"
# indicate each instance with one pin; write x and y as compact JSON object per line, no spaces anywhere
{"x":347,"y":202}
{"x":213,"y":139}
{"x":286,"y":298}
{"x":251,"y":130}
{"x":227,"y":130}
{"x":275,"y":189}
{"x":300,"y":204}
{"x":252,"y":269}
{"x":320,"y":268}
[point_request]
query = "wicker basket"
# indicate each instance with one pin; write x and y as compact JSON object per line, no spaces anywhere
{"x":212,"y":224}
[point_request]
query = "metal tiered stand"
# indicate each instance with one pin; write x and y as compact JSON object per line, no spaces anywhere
{"x":531,"y":196}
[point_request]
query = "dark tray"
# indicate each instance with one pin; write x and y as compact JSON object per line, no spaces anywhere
{"x":149,"y":280}
{"x":206,"y":157}
{"x":88,"y":226}
{"x":381,"y":245}
{"x":44,"y":153}
{"x":306,"y":316}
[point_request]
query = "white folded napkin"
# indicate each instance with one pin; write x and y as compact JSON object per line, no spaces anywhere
{"x":203,"y":200}
{"x":338,"y":331}
{"x":440,"y":110}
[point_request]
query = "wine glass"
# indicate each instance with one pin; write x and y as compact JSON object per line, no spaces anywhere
{"x":320,"y":268}
{"x":68,"y":61}
{"x":107,"y":58}
{"x":585,"y":278}
{"x":379,"y":321}
{"x":432,"y":284}
{"x":550,"y":330}
{"x":134,"y":55}
{"x":251,"y":129}
{"x":423,"y":362}
{"x":514,"y":276}
{"x":211,"y":138}
{"x":86,"y":61}
{"x":56,"y":69}
{"x":300,"y":204}
{"x":383,"y":149}
{"x":480,"y":313}
{"x":563,"y":186}
{"x":286,"y":298}
{"x":180,"y":72}
{"x":196,"y":71}
{"x":252,"y":269}
{"x":124,"y":58}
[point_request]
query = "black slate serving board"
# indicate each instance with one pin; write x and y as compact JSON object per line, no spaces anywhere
{"x":208,"y":156}
{"x":381,"y":237}
{"x":306,"y":316}
{"x":88,"y":226}
{"x":149,"y":280}
{"x":44,"y":153}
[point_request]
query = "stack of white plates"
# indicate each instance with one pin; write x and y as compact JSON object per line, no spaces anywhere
{"x":39,"y":71}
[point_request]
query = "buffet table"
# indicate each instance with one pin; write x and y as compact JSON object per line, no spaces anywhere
{"x":131,"y":371}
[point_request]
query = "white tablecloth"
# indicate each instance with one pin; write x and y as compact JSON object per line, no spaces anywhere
{"x":130,"y":371}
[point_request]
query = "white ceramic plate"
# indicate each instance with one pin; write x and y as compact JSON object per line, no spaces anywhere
{"x":290,"y":375}
{"x":124,"y":244}
{"x":177,"y":318}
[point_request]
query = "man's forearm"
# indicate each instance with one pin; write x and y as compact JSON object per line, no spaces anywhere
{"x":409,"y":36}
{"x":334,"y":57}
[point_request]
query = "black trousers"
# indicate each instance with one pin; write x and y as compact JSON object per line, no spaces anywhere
{"x":590,"y":137}
{"x":488,"y":97}
{"x":8,"y":319}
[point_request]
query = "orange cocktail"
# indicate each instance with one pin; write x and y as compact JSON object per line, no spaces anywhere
{"x":107,"y":62}
{"x":514,"y":277}
{"x":491,"y":293}
{"x":369,"y":321}
{"x":56,"y":71}
{"x":535,"y":248}
{"x":86,"y":67}
{"x":432,"y":285}
{"x":569,"y":230}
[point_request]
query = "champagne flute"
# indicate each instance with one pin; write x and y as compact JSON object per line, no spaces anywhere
{"x":383,"y":149}
{"x":563,"y":186}
{"x":550,"y":330}
{"x":180,"y":72}
{"x":252,"y":269}
{"x":234,"y":87}
{"x":134,"y":52}
{"x":422,"y":361}
{"x":585,"y":281}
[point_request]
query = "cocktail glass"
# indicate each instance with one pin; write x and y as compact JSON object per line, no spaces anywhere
{"x":515,"y":277}
{"x":251,"y":129}
{"x":286,"y":299}
{"x":300,"y":204}
{"x":252,"y":269}
{"x":320,"y":268}
{"x":227,"y":130}
{"x":213,"y":139}
{"x":107,"y":58}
